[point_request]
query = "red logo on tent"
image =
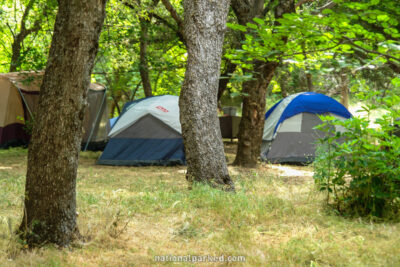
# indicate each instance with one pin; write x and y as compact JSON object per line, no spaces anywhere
{"x":162,"y":109}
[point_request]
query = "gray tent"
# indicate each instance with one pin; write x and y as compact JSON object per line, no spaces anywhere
{"x":288,"y":130}
{"x":148,"y":132}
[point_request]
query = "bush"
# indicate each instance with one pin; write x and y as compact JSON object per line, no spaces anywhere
{"x":359,"y":168}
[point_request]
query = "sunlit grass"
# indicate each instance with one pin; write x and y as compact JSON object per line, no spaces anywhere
{"x":129,"y":215}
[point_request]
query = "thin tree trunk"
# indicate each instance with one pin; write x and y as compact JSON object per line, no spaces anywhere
{"x":50,"y":192}
{"x":283,"y":81}
{"x":144,"y":65}
{"x":204,"y":30}
{"x":310,"y":85}
{"x":308,"y":75}
{"x":252,"y":122}
{"x":344,"y":88}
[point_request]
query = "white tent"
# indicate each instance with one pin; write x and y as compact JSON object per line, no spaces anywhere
{"x":148,"y":132}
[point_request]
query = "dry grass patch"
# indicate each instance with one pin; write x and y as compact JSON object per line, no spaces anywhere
{"x":130,"y":215}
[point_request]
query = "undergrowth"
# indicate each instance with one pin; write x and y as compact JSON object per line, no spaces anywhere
{"x":359,"y":167}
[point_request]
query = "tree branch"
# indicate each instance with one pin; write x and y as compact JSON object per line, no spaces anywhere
{"x":372,"y":51}
{"x":26,"y":13}
{"x":328,"y":5}
{"x":174,"y":15}
{"x":302,"y":2}
{"x":11,"y":30}
{"x":129,"y":4}
{"x":311,"y":51}
{"x":173,"y":12}
{"x":163,"y":21}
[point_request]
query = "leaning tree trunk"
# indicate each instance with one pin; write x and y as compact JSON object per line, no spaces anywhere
{"x":204,"y":30}
{"x":252,"y":122}
{"x":50,"y":198}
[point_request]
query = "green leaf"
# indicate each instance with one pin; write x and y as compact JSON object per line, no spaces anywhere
{"x":259,"y":21}
{"x":236,"y":27}
{"x":384,"y":17}
{"x":252,"y":26}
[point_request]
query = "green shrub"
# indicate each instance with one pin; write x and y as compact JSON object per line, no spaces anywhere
{"x":359,"y":168}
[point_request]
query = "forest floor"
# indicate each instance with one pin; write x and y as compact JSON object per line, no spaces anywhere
{"x":132,"y":215}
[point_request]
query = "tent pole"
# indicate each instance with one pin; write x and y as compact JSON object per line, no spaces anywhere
{"x":26,"y":103}
{"x":97,"y":118}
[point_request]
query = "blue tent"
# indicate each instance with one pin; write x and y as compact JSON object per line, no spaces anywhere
{"x":148,"y":132}
{"x":288,"y":130}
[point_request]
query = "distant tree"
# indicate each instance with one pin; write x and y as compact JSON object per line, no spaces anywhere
{"x":140,"y":52}
{"x":20,"y":20}
{"x":143,"y":66}
{"x":145,"y":21}
{"x":203,"y":28}
{"x":50,"y":192}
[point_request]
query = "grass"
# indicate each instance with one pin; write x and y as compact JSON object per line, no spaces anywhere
{"x":130,"y":215}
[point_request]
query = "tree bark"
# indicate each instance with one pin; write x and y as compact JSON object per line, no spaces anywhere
{"x":50,"y":191}
{"x":204,"y":30}
{"x":252,"y":122}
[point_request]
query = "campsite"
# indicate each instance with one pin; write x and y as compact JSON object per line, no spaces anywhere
{"x":134,"y":214}
{"x":199,"y":133}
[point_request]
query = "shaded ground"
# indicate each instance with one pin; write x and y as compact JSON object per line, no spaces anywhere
{"x":131,"y":215}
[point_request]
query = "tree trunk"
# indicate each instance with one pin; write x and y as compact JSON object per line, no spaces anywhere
{"x":143,"y":66}
{"x":252,"y":122}
{"x":310,"y":85}
{"x":344,"y":88}
{"x":283,"y":80}
{"x":204,"y":30}
{"x":16,"y":53}
{"x":308,"y":75}
{"x":245,"y":12}
{"x":253,"y":114}
{"x":50,"y":196}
